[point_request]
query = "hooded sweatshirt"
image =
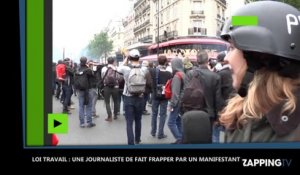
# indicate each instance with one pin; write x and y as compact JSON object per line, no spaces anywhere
{"x":177,"y":83}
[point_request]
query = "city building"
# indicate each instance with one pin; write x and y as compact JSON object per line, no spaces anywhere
{"x":128,"y":24}
{"x":176,"y":18}
{"x":233,"y":5}
{"x":168,"y":19}
{"x":143,"y":21}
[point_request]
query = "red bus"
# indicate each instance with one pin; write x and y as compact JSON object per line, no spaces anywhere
{"x":187,"y":47}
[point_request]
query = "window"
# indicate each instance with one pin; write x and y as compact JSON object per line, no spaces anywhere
{"x":198,"y":23}
{"x":174,"y":12}
{"x":168,"y":15}
{"x":198,"y":6}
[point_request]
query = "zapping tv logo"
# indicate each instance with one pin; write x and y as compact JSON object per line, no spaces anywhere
{"x":267,"y":162}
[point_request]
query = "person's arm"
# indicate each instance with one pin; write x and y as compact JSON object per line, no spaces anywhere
{"x":125,"y":62}
{"x":176,"y":88}
{"x":123,"y":66}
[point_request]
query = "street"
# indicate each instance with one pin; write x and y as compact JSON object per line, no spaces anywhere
{"x":105,"y":133}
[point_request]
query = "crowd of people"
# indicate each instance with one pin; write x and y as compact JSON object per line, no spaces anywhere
{"x":250,"y":93}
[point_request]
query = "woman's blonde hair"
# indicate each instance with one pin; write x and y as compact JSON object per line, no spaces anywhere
{"x":265,"y":91}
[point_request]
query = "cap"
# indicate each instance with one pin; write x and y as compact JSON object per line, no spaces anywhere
{"x":134,"y":53}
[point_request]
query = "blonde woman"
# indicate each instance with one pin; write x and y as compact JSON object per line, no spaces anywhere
{"x":264,"y":60}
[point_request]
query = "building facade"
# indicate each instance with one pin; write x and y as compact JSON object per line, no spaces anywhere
{"x":128,"y":24}
{"x":143,"y":22}
{"x":168,"y":19}
{"x":176,"y":18}
{"x":115,"y":31}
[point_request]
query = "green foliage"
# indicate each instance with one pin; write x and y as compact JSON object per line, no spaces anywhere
{"x":295,"y":3}
{"x":100,"y":45}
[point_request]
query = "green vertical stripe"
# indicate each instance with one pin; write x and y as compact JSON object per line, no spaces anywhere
{"x":35,"y":72}
{"x":244,"y":20}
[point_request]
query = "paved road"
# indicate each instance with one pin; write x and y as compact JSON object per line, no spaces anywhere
{"x":105,"y":133}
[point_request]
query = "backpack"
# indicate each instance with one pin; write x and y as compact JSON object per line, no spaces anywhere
{"x":168,"y":88}
{"x":136,"y":81}
{"x":193,"y":95}
{"x":110,"y":78}
{"x":121,"y":81}
{"x":61,"y":71}
{"x":81,"y":81}
{"x":160,"y":88}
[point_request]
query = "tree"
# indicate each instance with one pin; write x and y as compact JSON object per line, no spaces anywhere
{"x":295,"y":3}
{"x":100,"y":45}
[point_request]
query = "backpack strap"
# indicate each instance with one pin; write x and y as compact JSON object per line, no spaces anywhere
{"x":106,"y":72}
{"x":102,"y":80}
{"x":179,"y":75}
{"x":194,"y":73}
{"x":156,"y":76}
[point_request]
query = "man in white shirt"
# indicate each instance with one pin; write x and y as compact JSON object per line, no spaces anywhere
{"x":133,"y":103}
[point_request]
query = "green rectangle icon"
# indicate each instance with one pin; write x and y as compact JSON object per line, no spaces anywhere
{"x":34,"y":73}
{"x":244,"y":20}
{"x":57,"y":123}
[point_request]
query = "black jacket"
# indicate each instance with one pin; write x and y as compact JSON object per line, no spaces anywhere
{"x":89,"y":73}
{"x":149,"y":83}
{"x":226,"y":83}
{"x":163,"y":77}
{"x":212,"y":90}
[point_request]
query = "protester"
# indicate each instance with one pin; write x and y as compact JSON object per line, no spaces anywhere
{"x":67,"y":86}
{"x":224,"y":70}
{"x":93,"y":85}
{"x":133,"y":102}
{"x":148,"y":89}
{"x":174,"y":122}
{"x":212,"y":90}
{"x":85,"y":96}
{"x":159,"y":78}
{"x":111,"y":88}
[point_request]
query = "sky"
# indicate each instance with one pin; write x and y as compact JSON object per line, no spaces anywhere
{"x":76,"y":21}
